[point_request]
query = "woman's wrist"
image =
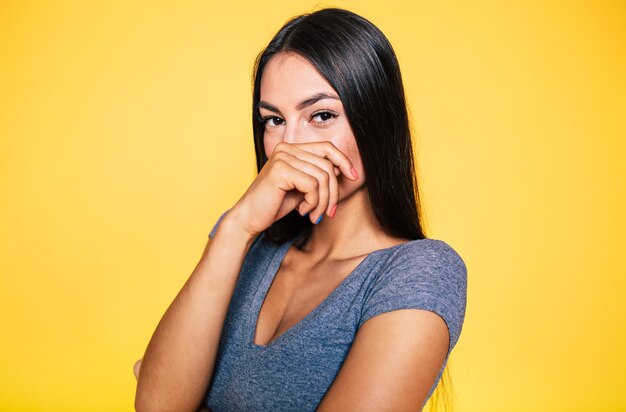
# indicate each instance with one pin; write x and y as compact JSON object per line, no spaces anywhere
{"x":231,"y":224}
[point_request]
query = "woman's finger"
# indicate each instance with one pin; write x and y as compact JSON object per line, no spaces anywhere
{"x":287,"y":177}
{"x":321,"y":170}
{"x":324,"y":164}
{"x":332,"y":153}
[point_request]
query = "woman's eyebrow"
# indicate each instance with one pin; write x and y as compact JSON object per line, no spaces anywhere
{"x":300,"y":106}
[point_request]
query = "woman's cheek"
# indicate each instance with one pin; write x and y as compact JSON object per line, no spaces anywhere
{"x":346,"y":144}
{"x":325,"y":133}
{"x":353,"y":152}
{"x":269,"y":143}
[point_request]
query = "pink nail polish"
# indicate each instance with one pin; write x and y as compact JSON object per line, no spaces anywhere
{"x":354,"y":173}
{"x":332,"y":211}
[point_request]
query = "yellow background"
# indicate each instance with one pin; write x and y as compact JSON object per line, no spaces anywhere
{"x":125,"y":131}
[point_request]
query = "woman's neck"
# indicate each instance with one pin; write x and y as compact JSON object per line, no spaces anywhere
{"x":354,"y":231}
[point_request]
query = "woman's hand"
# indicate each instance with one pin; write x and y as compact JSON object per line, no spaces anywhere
{"x":300,"y":176}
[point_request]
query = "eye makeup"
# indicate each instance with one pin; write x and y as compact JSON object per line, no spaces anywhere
{"x":326,"y":115}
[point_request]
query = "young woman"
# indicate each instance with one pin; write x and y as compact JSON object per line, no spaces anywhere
{"x":317,"y":289}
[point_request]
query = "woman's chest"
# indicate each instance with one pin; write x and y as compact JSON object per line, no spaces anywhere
{"x":295,"y":291}
{"x":296,"y":368}
{"x":315,"y":324}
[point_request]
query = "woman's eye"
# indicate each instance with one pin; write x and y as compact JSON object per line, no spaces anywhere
{"x":324,"y":116}
{"x":319,"y":118}
{"x":270,"y":121}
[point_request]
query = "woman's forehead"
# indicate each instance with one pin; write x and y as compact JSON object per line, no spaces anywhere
{"x":291,"y":76}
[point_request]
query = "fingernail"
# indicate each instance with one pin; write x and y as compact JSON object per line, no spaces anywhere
{"x":332,"y":211}
{"x":354,"y":173}
{"x":320,"y":219}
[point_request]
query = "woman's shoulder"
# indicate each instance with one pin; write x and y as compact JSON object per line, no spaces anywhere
{"x":428,"y":259}
{"x":429,"y":249}
{"x":424,"y":274}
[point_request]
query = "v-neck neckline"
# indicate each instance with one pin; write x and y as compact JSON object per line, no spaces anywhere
{"x":267,"y":280}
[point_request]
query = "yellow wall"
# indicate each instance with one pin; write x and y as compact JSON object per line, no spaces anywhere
{"x":125,"y":132}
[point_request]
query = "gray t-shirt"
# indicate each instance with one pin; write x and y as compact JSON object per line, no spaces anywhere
{"x":294,"y":371}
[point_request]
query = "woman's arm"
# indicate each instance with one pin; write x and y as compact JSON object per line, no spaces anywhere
{"x":179,"y":360}
{"x":178,"y":364}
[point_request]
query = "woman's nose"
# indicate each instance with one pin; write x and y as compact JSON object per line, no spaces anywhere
{"x":295,"y":133}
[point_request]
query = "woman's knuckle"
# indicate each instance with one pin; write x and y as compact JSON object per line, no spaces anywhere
{"x":315,"y":183}
{"x":279,"y":165}
{"x":280,"y":155}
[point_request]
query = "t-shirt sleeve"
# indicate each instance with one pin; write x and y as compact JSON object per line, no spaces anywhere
{"x":428,"y":275}
{"x":215,"y":226}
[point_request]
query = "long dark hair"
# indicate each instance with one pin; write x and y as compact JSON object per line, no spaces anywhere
{"x":356,"y":58}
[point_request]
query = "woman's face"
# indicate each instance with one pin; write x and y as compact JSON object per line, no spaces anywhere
{"x":295,"y":111}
